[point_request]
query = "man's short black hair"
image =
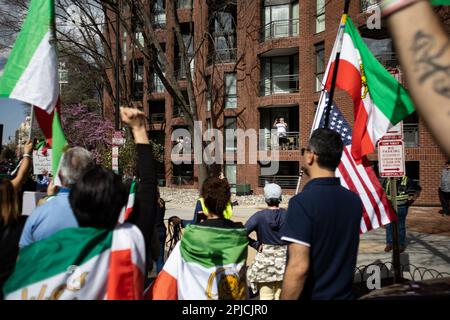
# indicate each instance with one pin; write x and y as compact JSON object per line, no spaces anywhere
{"x":327,"y":145}
{"x":97,"y":198}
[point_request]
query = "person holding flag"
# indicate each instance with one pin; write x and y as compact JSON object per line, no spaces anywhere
{"x":209,"y":261}
{"x":100,"y":259}
{"x":31,"y":74}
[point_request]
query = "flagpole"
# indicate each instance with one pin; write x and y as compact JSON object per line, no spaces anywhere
{"x":336,"y":62}
{"x":31,"y":122}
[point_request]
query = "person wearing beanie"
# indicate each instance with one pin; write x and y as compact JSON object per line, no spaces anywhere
{"x":266,"y":272}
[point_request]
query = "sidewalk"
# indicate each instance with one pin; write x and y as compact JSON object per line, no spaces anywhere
{"x":428,"y":236}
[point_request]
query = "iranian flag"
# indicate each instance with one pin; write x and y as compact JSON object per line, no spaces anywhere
{"x":82,"y":264}
{"x":31,"y":72}
{"x":207,"y":264}
{"x":380,"y":102}
{"x":126,"y":212}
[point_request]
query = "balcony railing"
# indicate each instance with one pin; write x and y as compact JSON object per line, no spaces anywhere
{"x":222,"y":55}
{"x":156,"y":118}
{"x":292,"y":142}
{"x":388,"y":59}
{"x":177,"y":112}
{"x":285,"y":182}
{"x":184,"y":4}
{"x":279,"y":84}
{"x":279,"y":29}
{"x":182,"y":180}
{"x":411,"y":134}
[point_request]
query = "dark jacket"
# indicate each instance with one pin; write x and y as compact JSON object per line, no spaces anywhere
{"x":145,"y":207}
{"x":9,"y":247}
{"x":267,"y":224}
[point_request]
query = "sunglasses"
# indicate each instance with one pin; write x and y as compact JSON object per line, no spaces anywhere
{"x":303,"y":150}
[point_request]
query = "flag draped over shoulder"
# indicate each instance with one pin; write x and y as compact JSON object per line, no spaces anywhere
{"x":31,"y":72}
{"x":207,"y":264}
{"x":83,"y":264}
{"x":380,"y":102}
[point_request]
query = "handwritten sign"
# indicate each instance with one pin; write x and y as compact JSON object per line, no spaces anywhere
{"x":42,"y":164}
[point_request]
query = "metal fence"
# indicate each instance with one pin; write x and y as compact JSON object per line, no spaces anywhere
{"x":292,"y":142}
{"x":285,"y":182}
{"x":279,"y":84}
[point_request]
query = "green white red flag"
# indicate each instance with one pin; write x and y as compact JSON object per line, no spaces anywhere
{"x":82,"y":264}
{"x":207,"y":264}
{"x":31,"y":72}
{"x":126,"y":212}
{"x":380,"y":102}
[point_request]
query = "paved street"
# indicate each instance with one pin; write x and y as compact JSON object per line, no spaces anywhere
{"x":428,"y":249}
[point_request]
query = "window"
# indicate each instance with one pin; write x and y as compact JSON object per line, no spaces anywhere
{"x":320,"y":16}
{"x":138,"y":79}
{"x":188,"y":40}
{"x":184,"y":4}
{"x":320,"y":64}
{"x":279,"y":75}
{"x":139,"y":35}
{"x":383,"y":51}
{"x":230,"y":91}
{"x":223,"y":29}
{"x":208,"y":94}
{"x":411,"y":130}
{"x":230,"y":123}
{"x":159,"y":13}
{"x":368,"y":4}
{"x":280,"y":19}
{"x":124,"y":46}
{"x":177,"y":108}
{"x":230,"y":174}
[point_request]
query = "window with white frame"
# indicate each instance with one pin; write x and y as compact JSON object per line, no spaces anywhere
{"x":320,"y":16}
{"x":320,"y":64}
{"x":230,"y":91}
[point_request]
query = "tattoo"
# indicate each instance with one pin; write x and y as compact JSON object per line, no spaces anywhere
{"x":429,"y":63}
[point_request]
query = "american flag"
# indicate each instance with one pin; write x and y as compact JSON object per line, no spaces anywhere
{"x":357,"y":177}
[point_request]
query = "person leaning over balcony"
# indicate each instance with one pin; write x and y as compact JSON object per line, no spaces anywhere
{"x":322,"y":227}
{"x":424,"y":53}
{"x":267,"y":270}
{"x":281,"y":127}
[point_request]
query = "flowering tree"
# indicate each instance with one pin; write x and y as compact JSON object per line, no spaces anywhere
{"x":87,"y":129}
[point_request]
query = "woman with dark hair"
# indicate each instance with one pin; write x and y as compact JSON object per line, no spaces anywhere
{"x":209,"y":261}
{"x":11,"y":221}
{"x":101,"y":259}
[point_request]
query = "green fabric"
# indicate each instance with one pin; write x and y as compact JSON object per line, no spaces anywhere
{"x":210,"y":247}
{"x":440,"y":2}
{"x":37,"y":23}
{"x":49,"y":257}
{"x":389,"y":96}
{"x":58,"y":142}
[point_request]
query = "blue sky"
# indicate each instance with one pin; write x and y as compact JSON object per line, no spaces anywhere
{"x":11,"y":115}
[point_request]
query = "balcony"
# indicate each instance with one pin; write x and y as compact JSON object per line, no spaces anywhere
{"x":388,"y":59}
{"x":156,"y":118}
{"x":411,"y":134}
{"x":279,"y":29}
{"x":279,"y":84}
{"x":222,"y":55}
{"x":292,"y":142}
{"x":285,"y":182}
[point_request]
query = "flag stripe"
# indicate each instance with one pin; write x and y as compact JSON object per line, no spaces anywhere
{"x":165,"y":287}
{"x":38,"y":84}
{"x":34,"y":29}
{"x":66,"y":247}
{"x":217,"y":253}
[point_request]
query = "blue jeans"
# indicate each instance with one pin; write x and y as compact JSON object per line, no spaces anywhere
{"x":162,"y":245}
{"x":402,"y":212}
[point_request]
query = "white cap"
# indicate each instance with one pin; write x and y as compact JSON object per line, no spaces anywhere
{"x":272,"y":191}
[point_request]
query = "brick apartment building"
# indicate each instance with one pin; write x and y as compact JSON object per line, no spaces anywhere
{"x":263,"y":59}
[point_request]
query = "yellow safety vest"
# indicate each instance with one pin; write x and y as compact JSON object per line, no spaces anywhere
{"x":402,"y":195}
{"x":227,"y":213}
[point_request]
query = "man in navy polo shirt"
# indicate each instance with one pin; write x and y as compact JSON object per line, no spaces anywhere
{"x":321,"y":227}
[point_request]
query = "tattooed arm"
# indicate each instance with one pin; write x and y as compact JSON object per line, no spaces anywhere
{"x":424,"y":50}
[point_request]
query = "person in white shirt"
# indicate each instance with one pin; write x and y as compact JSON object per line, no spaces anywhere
{"x":281,"y":127}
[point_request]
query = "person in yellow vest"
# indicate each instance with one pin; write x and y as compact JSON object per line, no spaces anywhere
{"x":407,"y":192}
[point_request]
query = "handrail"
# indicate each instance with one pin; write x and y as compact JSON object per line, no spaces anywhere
{"x":267,"y":84}
{"x":279,"y":29}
